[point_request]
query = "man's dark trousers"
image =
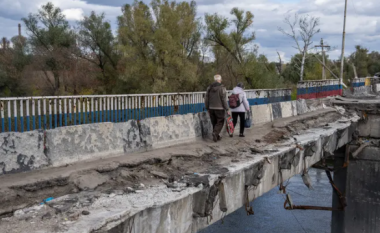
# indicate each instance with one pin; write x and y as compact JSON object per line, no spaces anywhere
{"x":217,"y":120}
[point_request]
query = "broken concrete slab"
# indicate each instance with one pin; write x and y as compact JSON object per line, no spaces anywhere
{"x":310,"y":115}
{"x":159,"y":174}
{"x":89,"y":180}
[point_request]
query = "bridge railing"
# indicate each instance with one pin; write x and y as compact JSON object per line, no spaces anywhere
{"x":21,"y":114}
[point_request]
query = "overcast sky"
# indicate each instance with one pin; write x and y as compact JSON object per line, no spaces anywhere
{"x":363,"y":19}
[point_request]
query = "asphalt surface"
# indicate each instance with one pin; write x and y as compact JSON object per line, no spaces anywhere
{"x":271,"y":217}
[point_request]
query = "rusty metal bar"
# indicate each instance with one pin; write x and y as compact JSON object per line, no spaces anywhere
{"x":347,"y":156}
{"x":342,"y":198}
{"x":248,"y":208}
{"x":301,"y":207}
{"x":289,"y":201}
{"x":360,"y":149}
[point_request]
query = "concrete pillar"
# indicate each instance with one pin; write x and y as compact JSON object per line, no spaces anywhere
{"x":340,"y":179}
{"x":361,"y":184}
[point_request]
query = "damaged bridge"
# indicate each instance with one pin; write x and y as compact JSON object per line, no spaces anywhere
{"x":164,"y":174}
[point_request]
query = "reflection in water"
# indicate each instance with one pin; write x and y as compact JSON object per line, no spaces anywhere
{"x":271,"y":217}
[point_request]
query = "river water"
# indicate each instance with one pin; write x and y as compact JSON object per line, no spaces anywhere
{"x":271,"y":217}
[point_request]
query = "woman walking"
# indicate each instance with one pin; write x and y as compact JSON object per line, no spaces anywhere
{"x":241,"y":108}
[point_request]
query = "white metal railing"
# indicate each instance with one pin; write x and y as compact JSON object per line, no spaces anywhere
{"x":30,"y":113}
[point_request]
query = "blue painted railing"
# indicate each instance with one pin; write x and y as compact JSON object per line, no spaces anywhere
{"x":21,"y":114}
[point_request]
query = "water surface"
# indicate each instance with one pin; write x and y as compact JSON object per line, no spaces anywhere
{"x":271,"y":217}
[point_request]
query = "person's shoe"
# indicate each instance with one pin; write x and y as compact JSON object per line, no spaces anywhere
{"x":214,"y":137}
{"x":219,"y":137}
{"x":241,"y":135}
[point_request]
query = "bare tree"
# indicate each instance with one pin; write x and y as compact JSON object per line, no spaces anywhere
{"x":279,"y":67}
{"x":302,"y":30}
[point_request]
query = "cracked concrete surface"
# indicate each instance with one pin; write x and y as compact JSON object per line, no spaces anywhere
{"x":22,"y":152}
{"x":203,"y":181}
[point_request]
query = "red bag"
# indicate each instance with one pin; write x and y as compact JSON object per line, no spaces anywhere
{"x":229,"y":125}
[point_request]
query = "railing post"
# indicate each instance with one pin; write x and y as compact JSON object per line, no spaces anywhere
{"x":96,"y":110}
{"x":75,"y":109}
{"x":100,"y":109}
{"x":2,"y":116}
{"x":60,"y":112}
{"x":112,"y":109}
{"x":79,"y":112}
{"x":27,"y":116}
{"x":127,"y":107}
{"x":88,"y":110}
{"x":122,"y":109}
{"x":34,"y":113}
{"x":117,"y":109}
{"x":44,"y":114}
{"x":55,"y":113}
{"x":65,"y":110}
{"x":101,"y":101}
{"x":15,"y":114}
{"x":9,"y":117}
{"x":69,"y":111}
{"x":21,"y":116}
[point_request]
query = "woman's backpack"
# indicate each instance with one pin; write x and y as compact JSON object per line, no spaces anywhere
{"x":234,"y":101}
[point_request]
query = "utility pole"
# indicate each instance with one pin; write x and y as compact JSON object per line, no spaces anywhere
{"x":323,"y":57}
{"x":356,"y":74}
{"x":343,"y":42}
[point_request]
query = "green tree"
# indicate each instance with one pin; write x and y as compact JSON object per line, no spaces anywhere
{"x":374,"y":63}
{"x":159,"y":47}
{"x":312,"y":69}
{"x":360,"y":59}
{"x":13,"y":61}
{"x":52,"y":42}
{"x":230,"y":48}
{"x":237,"y":58}
{"x":97,"y":45}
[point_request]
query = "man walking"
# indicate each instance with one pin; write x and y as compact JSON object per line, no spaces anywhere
{"x":216,"y":105}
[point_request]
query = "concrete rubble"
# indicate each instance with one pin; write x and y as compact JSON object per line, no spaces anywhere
{"x":181,"y":188}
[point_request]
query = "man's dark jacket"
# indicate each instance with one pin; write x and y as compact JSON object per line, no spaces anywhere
{"x":216,"y":97}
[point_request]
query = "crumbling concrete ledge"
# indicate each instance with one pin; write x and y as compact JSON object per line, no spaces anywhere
{"x":159,"y":209}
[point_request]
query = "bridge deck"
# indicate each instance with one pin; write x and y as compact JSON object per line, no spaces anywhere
{"x":176,"y":180}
